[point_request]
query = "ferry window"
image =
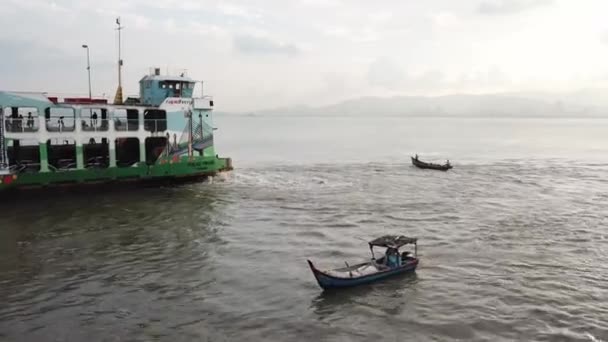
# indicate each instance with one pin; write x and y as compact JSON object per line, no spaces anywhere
{"x":24,"y":155}
{"x":96,"y":153}
{"x":61,"y":154}
{"x":60,"y":119}
{"x":94,"y":119}
{"x":126,"y":119}
{"x":177,"y":86}
{"x":21,"y":119}
{"x":148,"y":83}
{"x":155,"y":120}
{"x":171,"y":85}
{"x":162,"y":85}
{"x":155,"y":146}
{"x":127,"y":152}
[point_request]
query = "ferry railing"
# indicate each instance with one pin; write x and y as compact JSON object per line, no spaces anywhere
{"x":60,"y":125}
{"x":155,"y":125}
{"x":64,"y":164}
{"x":126,"y":163}
{"x":123,"y":124}
{"x":25,"y":165}
{"x":21,"y":125}
{"x":99,"y":162}
{"x":94,"y":125}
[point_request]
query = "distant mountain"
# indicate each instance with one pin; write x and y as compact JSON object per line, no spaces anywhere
{"x":580,"y":104}
{"x":593,"y":97}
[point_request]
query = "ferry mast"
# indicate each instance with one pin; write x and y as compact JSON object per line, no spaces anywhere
{"x":118,"y":97}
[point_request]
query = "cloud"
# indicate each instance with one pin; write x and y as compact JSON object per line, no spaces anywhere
{"x":489,"y":79}
{"x":380,"y":17}
{"x":22,"y":69}
{"x":23,"y":54}
{"x":141,"y":22}
{"x":502,"y":7}
{"x":431,"y":80}
{"x":253,"y":45}
{"x":445,"y":20}
{"x":356,"y":35}
{"x":233,"y":10}
{"x":321,"y":3}
{"x":385,"y":73}
{"x":330,"y":46}
{"x":604,"y":37}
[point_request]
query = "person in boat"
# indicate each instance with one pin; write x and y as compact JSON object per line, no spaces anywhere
{"x":448,"y":162}
{"x":416,"y":156}
{"x":392,"y":258}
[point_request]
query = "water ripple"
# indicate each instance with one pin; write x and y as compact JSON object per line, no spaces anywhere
{"x":509,"y":252}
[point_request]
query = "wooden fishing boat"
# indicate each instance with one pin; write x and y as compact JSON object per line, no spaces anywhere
{"x":392,"y":263}
{"x":423,"y":165}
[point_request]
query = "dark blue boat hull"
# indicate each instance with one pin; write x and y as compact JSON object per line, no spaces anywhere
{"x":431,"y":166}
{"x":327,"y":281}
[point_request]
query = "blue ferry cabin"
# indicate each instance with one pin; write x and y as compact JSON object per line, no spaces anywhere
{"x":155,"y":88}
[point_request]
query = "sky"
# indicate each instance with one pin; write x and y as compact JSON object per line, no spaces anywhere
{"x":260,"y":54}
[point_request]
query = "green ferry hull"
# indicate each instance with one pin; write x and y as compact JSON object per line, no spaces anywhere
{"x":183,"y":169}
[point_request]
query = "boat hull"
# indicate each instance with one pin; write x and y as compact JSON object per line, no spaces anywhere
{"x":430,"y":166}
{"x":328,"y":282}
{"x":184,"y":170}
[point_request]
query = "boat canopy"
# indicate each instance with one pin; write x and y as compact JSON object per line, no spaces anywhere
{"x":392,"y":241}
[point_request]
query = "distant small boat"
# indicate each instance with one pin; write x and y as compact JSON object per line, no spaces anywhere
{"x":392,"y":263}
{"x":423,"y":165}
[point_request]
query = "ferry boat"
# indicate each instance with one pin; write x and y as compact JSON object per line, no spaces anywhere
{"x":165,"y":134}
